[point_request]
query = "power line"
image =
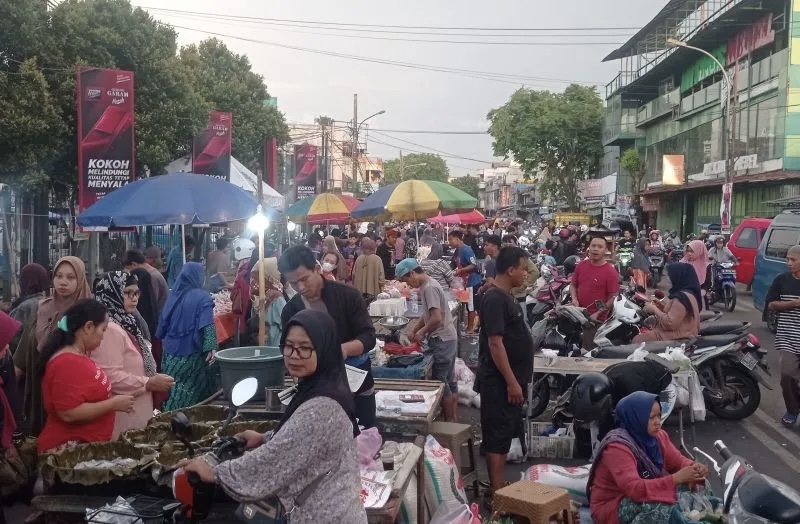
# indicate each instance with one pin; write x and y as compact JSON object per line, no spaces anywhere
{"x":447,"y":155}
{"x":430,"y":132}
{"x":423,"y":146}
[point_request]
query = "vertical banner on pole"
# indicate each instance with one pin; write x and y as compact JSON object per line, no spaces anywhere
{"x":725,"y":208}
{"x":271,"y":162}
{"x":211,"y":149}
{"x":106,"y":151}
{"x":305,"y":170}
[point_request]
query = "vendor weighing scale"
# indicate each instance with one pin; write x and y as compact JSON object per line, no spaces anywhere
{"x":394,"y":325}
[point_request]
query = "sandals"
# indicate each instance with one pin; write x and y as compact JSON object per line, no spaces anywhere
{"x":789,"y":419}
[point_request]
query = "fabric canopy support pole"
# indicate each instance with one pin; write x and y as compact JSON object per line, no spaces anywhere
{"x":183,"y":242}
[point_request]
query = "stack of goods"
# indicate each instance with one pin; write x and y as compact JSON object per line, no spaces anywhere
{"x":222,"y":302}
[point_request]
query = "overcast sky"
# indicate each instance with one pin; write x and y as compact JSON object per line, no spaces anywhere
{"x":308,"y":84}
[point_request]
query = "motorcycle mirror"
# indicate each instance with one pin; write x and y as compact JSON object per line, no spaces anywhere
{"x":708,"y":457}
{"x":243,"y":391}
{"x":181,"y":426}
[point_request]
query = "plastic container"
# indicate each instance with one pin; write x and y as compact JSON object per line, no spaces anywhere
{"x":550,"y":447}
{"x":265,"y":363}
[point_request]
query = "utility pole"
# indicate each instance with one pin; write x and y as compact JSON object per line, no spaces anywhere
{"x":355,"y":143}
{"x":325,"y":146}
{"x":402,"y":167}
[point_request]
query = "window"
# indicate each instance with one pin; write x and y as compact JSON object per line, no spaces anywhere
{"x":780,"y":240}
{"x":748,"y":238}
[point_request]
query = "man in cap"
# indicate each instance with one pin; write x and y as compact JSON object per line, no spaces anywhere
{"x":436,"y":324}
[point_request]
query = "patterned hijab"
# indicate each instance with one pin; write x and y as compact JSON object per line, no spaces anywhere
{"x":51,"y":309}
{"x":110,"y":291}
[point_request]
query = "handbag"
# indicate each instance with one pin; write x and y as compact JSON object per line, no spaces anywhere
{"x":271,"y":510}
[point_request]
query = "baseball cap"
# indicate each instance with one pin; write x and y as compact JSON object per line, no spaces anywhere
{"x":404,"y":267}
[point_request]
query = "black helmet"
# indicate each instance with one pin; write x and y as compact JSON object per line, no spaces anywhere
{"x":569,"y":264}
{"x":590,"y":400}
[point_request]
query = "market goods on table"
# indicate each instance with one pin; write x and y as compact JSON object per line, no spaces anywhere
{"x":196,"y":414}
{"x":156,"y":436}
{"x":61,"y":465}
{"x":222,"y":302}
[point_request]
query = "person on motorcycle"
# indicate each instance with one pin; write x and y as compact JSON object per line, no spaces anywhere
{"x":595,"y":285}
{"x":680,"y":318}
{"x":720,"y":253}
{"x":637,"y":468}
{"x":627,"y":241}
{"x":655,"y":241}
{"x":314,"y":443}
{"x":640,"y":263}
{"x":672,"y":241}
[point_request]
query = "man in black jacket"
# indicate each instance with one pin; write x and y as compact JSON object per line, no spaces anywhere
{"x":344,"y":304}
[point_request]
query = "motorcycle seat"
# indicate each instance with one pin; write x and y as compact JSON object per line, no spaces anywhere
{"x":716,"y":340}
{"x":760,"y":498}
{"x":721,"y":327}
{"x":709,"y":315}
{"x":628,"y":349}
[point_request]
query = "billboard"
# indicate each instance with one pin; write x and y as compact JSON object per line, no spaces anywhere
{"x":673,"y":170}
{"x":305,"y":170}
{"x":725,"y":208}
{"x":211,"y":149}
{"x":106,"y":153}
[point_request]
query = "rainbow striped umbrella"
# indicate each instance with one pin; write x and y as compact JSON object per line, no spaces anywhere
{"x":320,"y":209}
{"x":414,"y":199}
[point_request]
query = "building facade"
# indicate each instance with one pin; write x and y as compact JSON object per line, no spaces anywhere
{"x":672,"y":104}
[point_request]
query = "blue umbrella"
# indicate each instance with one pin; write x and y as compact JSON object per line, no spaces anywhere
{"x":178,"y":198}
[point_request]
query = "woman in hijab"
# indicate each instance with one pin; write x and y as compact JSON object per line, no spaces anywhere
{"x":680,"y":317}
{"x":435,"y":266}
{"x":148,"y":307}
{"x":329,"y":246}
{"x":696,"y":254}
{"x":640,"y":263}
{"x":189,"y":338}
{"x":34,"y":284}
{"x":275,"y":298}
{"x":309,"y":461}
{"x":69,"y":287}
{"x":637,"y":468}
{"x":124,"y":354}
{"x":368,"y":275}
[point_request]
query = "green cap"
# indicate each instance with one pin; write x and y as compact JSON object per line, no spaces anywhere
{"x":405,"y":266}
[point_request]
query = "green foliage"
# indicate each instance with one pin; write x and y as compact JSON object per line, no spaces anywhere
{"x":467,"y":184}
{"x":555,"y":137}
{"x":175,"y":91}
{"x":633,"y":164}
{"x":411,"y":168}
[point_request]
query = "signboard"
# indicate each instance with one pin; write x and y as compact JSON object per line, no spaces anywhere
{"x":740,"y":163}
{"x":106,"y":152}
{"x":702,"y":69}
{"x":211,"y":149}
{"x":759,"y":34}
{"x":591,"y":188}
{"x":672,"y":170}
{"x":305,"y":170}
{"x":725,"y":208}
{"x":650,"y":203}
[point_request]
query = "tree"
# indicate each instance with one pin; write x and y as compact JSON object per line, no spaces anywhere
{"x":555,"y":137}
{"x":467,"y":184}
{"x":633,"y":164}
{"x":226,"y":82}
{"x":416,"y":166}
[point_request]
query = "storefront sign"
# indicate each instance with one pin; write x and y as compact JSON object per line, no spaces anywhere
{"x":725,"y":208}
{"x":672,"y":171}
{"x":702,"y":69}
{"x":741,"y":163}
{"x":106,"y":154}
{"x":749,"y":39}
{"x":305,"y":170}
{"x":211,"y":149}
{"x":649,"y":203}
{"x":591,"y":188}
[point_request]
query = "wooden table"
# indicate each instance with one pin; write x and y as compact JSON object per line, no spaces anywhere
{"x":414,"y":464}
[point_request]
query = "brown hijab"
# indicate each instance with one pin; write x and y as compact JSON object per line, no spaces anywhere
{"x":51,"y":309}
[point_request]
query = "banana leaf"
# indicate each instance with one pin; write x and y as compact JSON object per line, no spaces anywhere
{"x":200,"y":414}
{"x":155,"y":436}
{"x":61,"y":466}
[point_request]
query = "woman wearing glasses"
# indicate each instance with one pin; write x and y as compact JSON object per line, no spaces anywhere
{"x":125,"y":354}
{"x":309,"y":462}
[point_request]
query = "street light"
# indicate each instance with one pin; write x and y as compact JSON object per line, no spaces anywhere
{"x":729,"y":160}
{"x":403,"y":167}
{"x":356,"y":129}
{"x":259,"y":222}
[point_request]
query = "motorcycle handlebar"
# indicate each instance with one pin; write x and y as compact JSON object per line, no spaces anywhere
{"x":723,"y":450}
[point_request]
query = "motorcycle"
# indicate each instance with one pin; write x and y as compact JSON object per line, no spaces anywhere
{"x":624,"y":257}
{"x":657,"y":259}
{"x":723,"y":289}
{"x":675,"y":254}
{"x":750,"y":496}
{"x":194,"y":495}
{"x":552,"y":290}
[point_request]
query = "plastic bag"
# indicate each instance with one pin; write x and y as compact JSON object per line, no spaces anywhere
{"x":695,"y":505}
{"x":638,"y":355}
{"x":698,"y":403}
{"x":121,"y":512}
{"x":452,"y":512}
{"x":368,"y":443}
{"x":515,"y":453}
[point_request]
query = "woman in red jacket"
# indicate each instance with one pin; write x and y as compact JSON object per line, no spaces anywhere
{"x":637,"y":469}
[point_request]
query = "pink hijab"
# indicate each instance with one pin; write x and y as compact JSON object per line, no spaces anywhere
{"x":700,"y":263}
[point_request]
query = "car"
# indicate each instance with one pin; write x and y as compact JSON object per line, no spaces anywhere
{"x":744,"y":244}
{"x":783,"y":233}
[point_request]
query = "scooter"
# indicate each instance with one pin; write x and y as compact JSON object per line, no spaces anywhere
{"x":750,"y":496}
{"x":723,"y":289}
{"x":194,"y":495}
{"x":552,"y":290}
{"x":657,"y":259}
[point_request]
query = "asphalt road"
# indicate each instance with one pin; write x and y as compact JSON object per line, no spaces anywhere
{"x":761,"y":439}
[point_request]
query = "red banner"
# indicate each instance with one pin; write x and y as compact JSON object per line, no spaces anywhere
{"x":211,"y":149}
{"x":106,"y":153}
{"x":271,"y":162}
{"x":305,"y":170}
{"x":749,"y":39}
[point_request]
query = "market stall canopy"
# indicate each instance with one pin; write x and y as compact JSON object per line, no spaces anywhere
{"x":473,"y":217}
{"x":321,"y":209}
{"x":240,"y":177}
{"x":178,"y":198}
{"x":414,"y":199}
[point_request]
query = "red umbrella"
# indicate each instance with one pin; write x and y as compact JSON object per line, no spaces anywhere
{"x":473,"y":217}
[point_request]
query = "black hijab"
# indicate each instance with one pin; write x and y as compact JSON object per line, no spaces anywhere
{"x":684,"y":280}
{"x":330,"y":378}
{"x":147,"y":306}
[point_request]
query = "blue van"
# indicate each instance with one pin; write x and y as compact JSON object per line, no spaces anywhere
{"x":783,"y":233}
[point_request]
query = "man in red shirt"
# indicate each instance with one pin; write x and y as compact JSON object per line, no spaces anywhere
{"x":595,"y":285}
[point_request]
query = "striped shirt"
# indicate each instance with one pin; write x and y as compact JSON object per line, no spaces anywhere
{"x":786,"y":287}
{"x":439,"y":270}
